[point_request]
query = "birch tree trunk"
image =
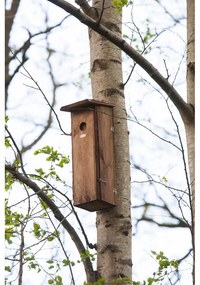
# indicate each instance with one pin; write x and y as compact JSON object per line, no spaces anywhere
{"x":113,"y":225}
{"x":189,"y":125}
{"x":191,"y":91}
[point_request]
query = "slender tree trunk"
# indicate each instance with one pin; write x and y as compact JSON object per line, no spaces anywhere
{"x":113,"y":225}
{"x":191,"y":88}
{"x":9,"y":19}
{"x":189,"y":125}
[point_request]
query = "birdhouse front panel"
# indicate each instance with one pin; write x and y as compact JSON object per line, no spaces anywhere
{"x":83,"y":157}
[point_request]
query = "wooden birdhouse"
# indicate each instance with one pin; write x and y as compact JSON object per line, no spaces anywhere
{"x":92,"y":154}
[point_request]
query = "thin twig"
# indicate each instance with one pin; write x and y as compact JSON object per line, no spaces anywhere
{"x":184,"y":109}
{"x":185,"y":170}
{"x":101,"y":14}
{"x":145,"y":48}
{"x":18,"y":151}
{"x":45,"y":97}
{"x":167,"y":72}
{"x":21,"y":255}
{"x":90,"y":245}
{"x":152,"y":132}
{"x":62,"y":246}
{"x":58,"y":215}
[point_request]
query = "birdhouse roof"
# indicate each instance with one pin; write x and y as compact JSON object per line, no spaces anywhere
{"x":84,"y":104}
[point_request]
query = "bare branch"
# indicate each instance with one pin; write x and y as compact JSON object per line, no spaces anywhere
{"x":21,"y":255}
{"x":18,"y":151}
{"x":180,"y":224}
{"x":144,"y":50}
{"x":186,"y":176}
{"x":175,"y":20}
{"x":10,"y":16}
{"x":61,"y":244}
{"x":87,"y":9}
{"x":58,"y":215}
{"x":185,"y":110}
{"x":90,"y":245}
{"x":135,"y":120}
{"x":48,"y":103}
{"x":168,"y":75}
{"x":23,"y":49}
{"x":9,"y":19}
{"x":101,"y":14}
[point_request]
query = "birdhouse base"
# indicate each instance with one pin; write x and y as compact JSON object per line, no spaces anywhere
{"x":96,"y":205}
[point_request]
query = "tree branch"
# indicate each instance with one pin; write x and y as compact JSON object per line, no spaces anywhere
{"x":48,"y":103}
{"x":58,"y":215}
{"x":167,"y":225}
{"x":63,"y":249}
{"x":87,"y":9}
{"x":21,"y":255}
{"x":9,"y":19}
{"x":186,"y":111}
{"x":23,"y":49}
{"x":178,"y":222}
{"x":10,"y":16}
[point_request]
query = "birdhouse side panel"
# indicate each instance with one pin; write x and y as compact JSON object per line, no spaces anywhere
{"x":83,"y":157}
{"x":106,"y":153}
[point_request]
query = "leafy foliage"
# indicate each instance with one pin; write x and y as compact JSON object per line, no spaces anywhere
{"x":16,"y":222}
{"x":53,"y":155}
{"x":85,"y":255}
{"x":12,"y":223}
{"x":119,"y":4}
{"x":7,"y":141}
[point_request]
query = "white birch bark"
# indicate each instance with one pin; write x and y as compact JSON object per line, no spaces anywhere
{"x":189,"y":125}
{"x":113,"y":225}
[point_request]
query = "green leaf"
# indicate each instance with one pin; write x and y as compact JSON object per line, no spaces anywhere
{"x":9,"y":180}
{"x":36,"y":230}
{"x":174,"y":263}
{"x":40,"y":171}
{"x":7,"y":268}
{"x":63,"y":160}
{"x":43,"y":205}
{"x":7,"y":142}
{"x":119,"y":4}
{"x":58,"y":280}
{"x":6,"y":118}
{"x":66,"y":262}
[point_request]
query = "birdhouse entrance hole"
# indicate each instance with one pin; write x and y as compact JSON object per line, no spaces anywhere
{"x":82,"y":126}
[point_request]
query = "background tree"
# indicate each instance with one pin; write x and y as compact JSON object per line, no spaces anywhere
{"x":20,"y":223}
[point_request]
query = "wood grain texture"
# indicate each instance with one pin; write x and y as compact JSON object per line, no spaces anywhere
{"x":93,"y":158}
{"x":105,"y":153}
{"x":84,"y":158}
